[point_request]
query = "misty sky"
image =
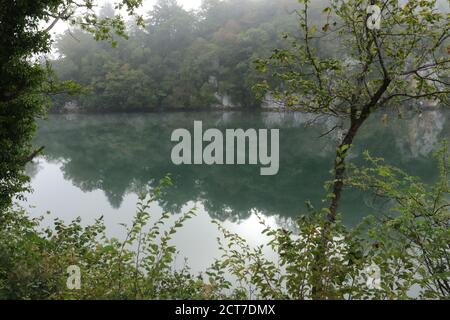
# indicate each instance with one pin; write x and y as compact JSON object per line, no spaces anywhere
{"x":147,"y":5}
{"x":187,"y":4}
{"x":191,"y":4}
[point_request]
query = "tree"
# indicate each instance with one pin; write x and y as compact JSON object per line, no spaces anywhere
{"x":24,"y":81}
{"x":369,"y":70}
{"x":188,"y":59}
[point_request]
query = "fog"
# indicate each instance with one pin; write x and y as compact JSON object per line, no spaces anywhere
{"x":147,"y":6}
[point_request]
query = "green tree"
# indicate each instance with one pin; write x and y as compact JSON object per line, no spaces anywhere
{"x":186,"y":59}
{"x":413,"y":238}
{"x":405,"y":61}
{"x":23,"y":79}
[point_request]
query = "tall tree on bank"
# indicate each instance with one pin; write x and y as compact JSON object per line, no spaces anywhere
{"x":25,"y":28}
{"x":371,"y":69}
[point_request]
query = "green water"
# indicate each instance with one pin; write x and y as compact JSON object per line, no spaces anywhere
{"x":95,"y":164}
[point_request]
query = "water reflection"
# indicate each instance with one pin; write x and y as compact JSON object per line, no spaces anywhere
{"x":122,"y":154}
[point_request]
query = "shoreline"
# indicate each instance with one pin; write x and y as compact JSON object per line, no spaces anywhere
{"x":217,"y":109}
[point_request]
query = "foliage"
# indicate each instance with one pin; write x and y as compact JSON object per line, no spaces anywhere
{"x":366,"y":70}
{"x":410,"y":246}
{"x":20,"y":81}
{"x":33,"y":263}
{"x":292,"y":274}
{"x":181,"y":59}
{"x":415,"y":235}
{"x":25,"y":81}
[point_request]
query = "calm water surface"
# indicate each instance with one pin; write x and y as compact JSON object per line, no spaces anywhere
{"x":96,"y":165}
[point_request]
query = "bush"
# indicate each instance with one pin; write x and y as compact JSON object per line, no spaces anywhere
{"x":408,"y":247}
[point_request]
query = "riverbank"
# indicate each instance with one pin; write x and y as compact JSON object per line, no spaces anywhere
{"x":221,"y":109}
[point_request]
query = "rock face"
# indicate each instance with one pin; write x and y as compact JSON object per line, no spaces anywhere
{"x":71,"y":107}
{"x":224,"y":101}
{"x":423,"y":134}
{"x":270,"y":102}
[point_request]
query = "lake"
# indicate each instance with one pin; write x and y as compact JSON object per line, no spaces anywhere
{"x":96,"y":165}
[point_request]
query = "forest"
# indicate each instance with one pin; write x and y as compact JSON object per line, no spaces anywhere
{"x":180,"y":60}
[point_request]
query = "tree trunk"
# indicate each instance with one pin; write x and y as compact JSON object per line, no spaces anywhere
{"x":31,"y":157}
{"x":319,"y":292}
{"x":318,"y":289}
{"x":340,"y":166}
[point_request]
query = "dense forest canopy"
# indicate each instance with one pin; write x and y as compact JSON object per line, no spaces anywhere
{"x":181,"y":59}
{"x":186,"y":59}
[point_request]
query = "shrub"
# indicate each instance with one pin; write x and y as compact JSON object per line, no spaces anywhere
{"x":408,"y":246}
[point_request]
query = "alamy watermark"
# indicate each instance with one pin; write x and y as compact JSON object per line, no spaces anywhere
{"x":374,"y":19}
{"x":74,"y":278}
{"x":236,"y":147}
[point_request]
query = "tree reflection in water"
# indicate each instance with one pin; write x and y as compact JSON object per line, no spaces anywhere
{"x":128,"y":153}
